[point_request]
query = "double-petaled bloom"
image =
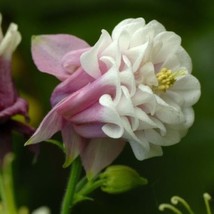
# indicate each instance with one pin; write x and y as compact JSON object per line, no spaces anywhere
{"x":133,"y":86}
{"x":10,"y":103}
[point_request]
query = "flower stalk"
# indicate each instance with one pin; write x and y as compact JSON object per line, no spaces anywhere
{"x":88,"y":188}
{"x":67,"y":203}
{"x":6,"y":186}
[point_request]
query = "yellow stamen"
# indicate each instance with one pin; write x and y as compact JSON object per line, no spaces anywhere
{"x":166,"y":78}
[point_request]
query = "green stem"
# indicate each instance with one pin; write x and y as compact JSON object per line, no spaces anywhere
{"x":81,"y":184}
{"x":3,"y":196}
{"x":67,"y":202}
{"x":89,"y":187}
{"x":6,"y":186}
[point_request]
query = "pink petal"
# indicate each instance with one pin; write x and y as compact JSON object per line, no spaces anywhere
{"x":72,"y":84}
{"x":48,"y":50}
{"x":52,"y":123}
{"x":19,"y":107}
{"x":73,"y":143}
{"x":90,"y":94}
{"x":92,"y":114}
{"x":90,"y":130}
{"x":71,"y":61}
{"x":99,"y":153}
{"x":7,"y":91}
{"x":99,"y":120}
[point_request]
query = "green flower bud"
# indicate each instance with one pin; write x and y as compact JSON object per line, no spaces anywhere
{"x":118,"y":179}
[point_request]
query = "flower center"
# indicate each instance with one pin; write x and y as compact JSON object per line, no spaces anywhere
{"x":166,"y":78}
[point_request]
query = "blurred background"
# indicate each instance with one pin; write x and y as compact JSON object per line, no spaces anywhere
{"x":186,"y":169}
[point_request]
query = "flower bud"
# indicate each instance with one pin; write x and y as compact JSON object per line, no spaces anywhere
{"x":119,"y":179}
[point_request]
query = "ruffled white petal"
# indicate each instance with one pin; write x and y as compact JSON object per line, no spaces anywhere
{"x":113,"y":127}
{"x":129,"y":25}
{"x":189,"y":88}
{"x":93,"y":55}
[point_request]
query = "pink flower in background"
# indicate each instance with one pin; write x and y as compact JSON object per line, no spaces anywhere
{"x":10,"y":103}
{"x":132,"y":86}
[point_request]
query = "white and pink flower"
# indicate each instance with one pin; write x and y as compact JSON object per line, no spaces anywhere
{"x":132,"y":86}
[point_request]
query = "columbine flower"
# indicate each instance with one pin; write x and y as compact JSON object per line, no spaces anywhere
{"x":132,"y":86}
{"x":10,"y":103}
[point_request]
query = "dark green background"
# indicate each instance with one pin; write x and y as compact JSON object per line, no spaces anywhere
{"x":186,"y":169}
